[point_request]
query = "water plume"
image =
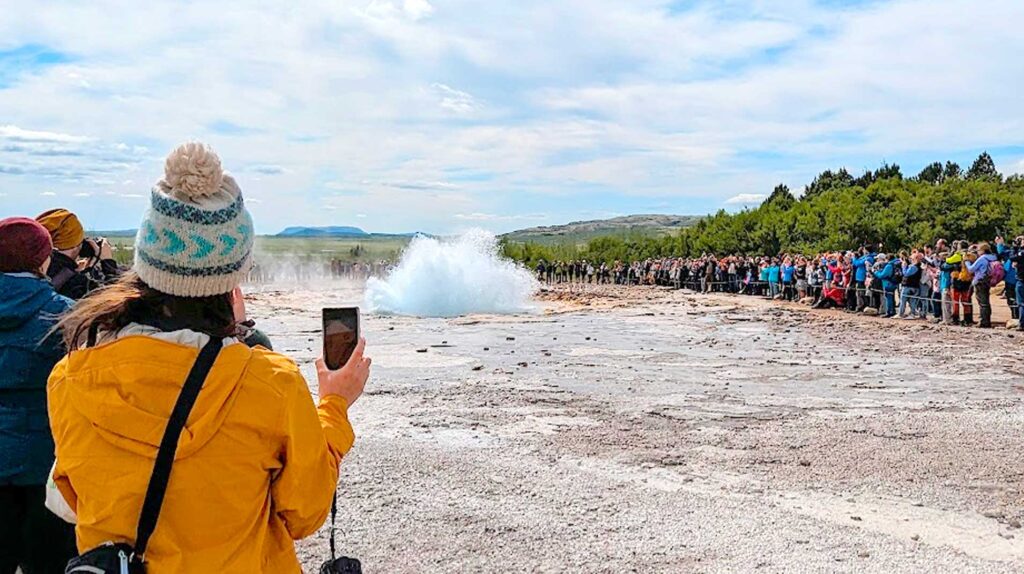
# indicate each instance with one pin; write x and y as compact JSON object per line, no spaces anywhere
{"x":451,"y":277}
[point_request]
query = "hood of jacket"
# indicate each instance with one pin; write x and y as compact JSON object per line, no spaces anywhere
{"x":24,"y":296}
{"x":128,"y":387}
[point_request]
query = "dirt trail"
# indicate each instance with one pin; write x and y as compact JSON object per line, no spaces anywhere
{"x":650,"y":430}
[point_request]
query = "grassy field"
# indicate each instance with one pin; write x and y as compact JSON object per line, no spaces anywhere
{"x":345,"y":249}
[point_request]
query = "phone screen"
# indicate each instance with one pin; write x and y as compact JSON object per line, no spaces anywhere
{"x":341,"y":335}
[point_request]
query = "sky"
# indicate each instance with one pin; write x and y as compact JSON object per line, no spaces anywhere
{"x":440,"y":115}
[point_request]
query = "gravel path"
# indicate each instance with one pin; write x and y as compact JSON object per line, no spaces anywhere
{"x":656,"y":431}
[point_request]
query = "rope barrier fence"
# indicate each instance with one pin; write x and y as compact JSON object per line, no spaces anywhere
{"x":920,"y":306}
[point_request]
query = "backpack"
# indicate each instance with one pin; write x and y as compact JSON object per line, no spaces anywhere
{"x":897,"y":274}
{"x":996,"y":273}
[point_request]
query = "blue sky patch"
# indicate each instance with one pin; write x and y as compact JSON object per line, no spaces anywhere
{"x":27,"y":59}
{"x":227,"y":128}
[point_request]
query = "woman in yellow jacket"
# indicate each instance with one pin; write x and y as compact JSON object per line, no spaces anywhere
{"x":257,"y":463}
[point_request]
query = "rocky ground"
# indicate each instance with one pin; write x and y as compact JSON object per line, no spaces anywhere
{"x":660,"y":431}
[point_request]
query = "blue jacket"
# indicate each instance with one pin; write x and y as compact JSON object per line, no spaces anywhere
{"x":787,"y":273}
{"x":1006,"y":254}
{"x":886,"y":275}
{"x":980,"y":268}
{"x":860,"y":266}
{"x":29,"y":307}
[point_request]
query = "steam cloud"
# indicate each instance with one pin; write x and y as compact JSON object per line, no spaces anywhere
{"x":451,"y":277}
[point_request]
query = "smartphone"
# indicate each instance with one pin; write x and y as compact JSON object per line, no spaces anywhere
{"x":341,"y":335}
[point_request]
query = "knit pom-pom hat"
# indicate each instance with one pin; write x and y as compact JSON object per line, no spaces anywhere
{"x":196,"y":238}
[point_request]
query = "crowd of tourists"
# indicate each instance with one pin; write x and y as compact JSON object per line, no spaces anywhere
{"x":115,"y":376}
{"x":271,"y":269}
{"x":583,"y":271}
{"x":942,"y":282}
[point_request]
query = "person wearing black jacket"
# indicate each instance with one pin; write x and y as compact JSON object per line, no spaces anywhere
{"x":1016,"y":257}
{"x":74,"y":281}
{"x":70,"y":277}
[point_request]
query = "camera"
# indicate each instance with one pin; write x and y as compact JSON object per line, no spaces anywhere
{"x":343,"y":565}
{"x":90,"y":248}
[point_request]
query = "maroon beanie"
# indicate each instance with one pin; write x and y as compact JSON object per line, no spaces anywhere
{"x":24,"y":245}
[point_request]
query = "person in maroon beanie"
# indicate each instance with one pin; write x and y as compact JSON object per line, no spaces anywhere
{"x":31,"y":537}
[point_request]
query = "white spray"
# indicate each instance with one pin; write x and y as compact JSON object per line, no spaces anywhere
{"x":451,"y":277}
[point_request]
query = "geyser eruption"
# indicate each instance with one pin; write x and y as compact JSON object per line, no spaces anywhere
{"x":450,"y":277}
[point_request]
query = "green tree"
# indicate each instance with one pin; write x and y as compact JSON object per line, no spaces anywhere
{"x":886,"y":171}
{"x":781,"y":196}
{"x":952,"y":171}
{"x":932,"y":173}
{"x":984,"y":168}
{"x":835,"y":215}
{"x":827,"y":181}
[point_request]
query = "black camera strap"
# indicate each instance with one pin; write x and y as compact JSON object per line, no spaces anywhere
{"x":336,"y":565}
{"x":334,"y":515}
{"x":169,"y":445}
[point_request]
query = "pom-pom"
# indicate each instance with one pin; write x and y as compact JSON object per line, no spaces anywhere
{"x":194,"y":170}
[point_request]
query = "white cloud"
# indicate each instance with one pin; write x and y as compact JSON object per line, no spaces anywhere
{"x":47,"y":194}
{"x":746,"y":198}
{"x":267,"y":169}
{"x":1015,"y":167}
{"x":414,"y":185}
{"x":83,"y":194}
{"x":16,"y":134}
{"x":496,"y":217}
{"x":454,"y":100}
{"x":417,"y":113}
{"x":63,"y":157}
{"x":417,"y":9}
{"x":411,"y":9}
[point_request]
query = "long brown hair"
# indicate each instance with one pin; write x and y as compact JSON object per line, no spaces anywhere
{"x":130,"y":300}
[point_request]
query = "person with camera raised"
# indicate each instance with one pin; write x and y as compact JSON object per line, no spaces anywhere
{"x":178,"y":447}
{"x":1006,"y":253}
{"x":984,"y":278}
{"x":78,"y":265}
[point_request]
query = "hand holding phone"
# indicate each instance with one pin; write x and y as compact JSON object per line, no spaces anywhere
{"x":347,"y":382}
{"x":343,"y":370}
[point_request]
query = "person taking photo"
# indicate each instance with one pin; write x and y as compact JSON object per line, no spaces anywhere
{"x":78,"y":265}
{"x":256,"y":466}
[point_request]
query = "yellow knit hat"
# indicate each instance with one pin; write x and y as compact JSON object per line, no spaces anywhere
{"x":64,"y":228}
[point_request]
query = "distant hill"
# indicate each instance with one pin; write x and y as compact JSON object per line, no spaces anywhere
{"x":578,"y":231}
{"x":112,"y":233}
{"x":332,"y":231}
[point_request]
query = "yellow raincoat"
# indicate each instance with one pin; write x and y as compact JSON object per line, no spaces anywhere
{"x":256,"y":465}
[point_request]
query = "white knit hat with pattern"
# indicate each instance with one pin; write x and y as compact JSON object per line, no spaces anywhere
{"x":196,"y":238}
